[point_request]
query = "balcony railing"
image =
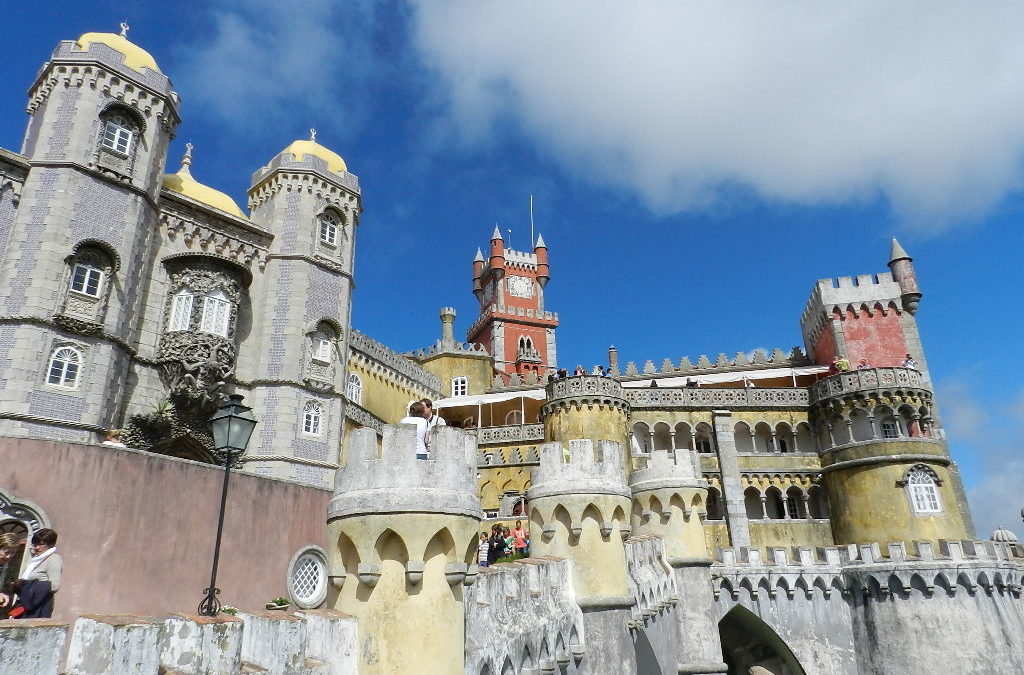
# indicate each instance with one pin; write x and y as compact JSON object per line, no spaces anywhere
{"x":513,"y":433}
{"x":709,"y":398}
{"x":867,"y":379}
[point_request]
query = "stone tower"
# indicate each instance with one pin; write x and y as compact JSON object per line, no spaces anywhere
{"x":294,"y":354}
{"x":513,"y":323}
{"x":669,"y":497}
{"x":885,"y":463}
{"x":579,"y":509}
{"x":403,"y":539}
{"x":587,"y":407}
{"x":77,"y":252}
{"x":870,"y":316}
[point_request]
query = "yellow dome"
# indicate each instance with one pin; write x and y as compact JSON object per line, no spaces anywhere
{"x":302,"y":148}
{"x":183,"y":183}
{"x":135,"y":57}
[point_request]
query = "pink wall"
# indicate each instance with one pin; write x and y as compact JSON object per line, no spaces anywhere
{"x":878,"y":338}
{"x":137,"y":529}
{"x":825,"y":347}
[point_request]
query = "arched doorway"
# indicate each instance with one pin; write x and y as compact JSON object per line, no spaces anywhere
{"x":749,"y":642}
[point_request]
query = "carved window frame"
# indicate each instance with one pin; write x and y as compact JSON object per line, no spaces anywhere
{"x":331,"y":231}
{"x":90,"y":261}
{"x":180,"y":316}
{"x":921,"y":485}
{"x":203,"y":280}
{"x":216,"y":314}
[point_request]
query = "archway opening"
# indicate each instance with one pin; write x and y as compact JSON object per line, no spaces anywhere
{"x":749,"y":643}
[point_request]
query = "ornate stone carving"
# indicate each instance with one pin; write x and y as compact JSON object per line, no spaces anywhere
{"x":194,"y":366}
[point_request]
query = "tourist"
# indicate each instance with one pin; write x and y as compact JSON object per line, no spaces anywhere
{"x":482,"y":549}
{"x":863,"y":365}
{"x":433,"y":419}
{"x":506,"y":535}
{"x":842,"y":364}
{"x":496,"y":545}
{"x":691,"y":383}
{"x":9,"y":543}
{"x":909,"y":362}
{"x":519,"y":537}
{"x":580,"y":370}
{"x":417,"y":416}
{"x":40,"y":581}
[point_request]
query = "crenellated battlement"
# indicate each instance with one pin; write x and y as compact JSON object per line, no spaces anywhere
{"x":394,"y":481}
{"x":578,"y":469}
{"x":666,"y":469}
{"x":722,"y":363}
{"x":992,"y":566}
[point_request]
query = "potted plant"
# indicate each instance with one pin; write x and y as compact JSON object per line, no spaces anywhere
{"x":279,"y":603}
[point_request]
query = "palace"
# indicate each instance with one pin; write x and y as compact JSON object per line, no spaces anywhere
{"x":757,"y":513}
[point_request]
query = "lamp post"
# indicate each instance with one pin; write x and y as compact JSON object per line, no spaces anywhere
{"x":232,"y":426}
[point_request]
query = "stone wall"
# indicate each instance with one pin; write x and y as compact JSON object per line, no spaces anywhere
{"x":316,"y":642}
{"x":522,"y":619}
{"x":137,"y":529}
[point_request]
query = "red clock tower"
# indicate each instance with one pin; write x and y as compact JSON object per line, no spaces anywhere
{"x":513,"y":324}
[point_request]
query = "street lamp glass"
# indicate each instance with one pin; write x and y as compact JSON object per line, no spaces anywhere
{"x":232,"y":425}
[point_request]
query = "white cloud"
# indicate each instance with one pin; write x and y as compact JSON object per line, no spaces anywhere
{"x":805,"y":103}
{"x":265,"y":63}
{"x":963,"y":415}
{"x":996,"y":500}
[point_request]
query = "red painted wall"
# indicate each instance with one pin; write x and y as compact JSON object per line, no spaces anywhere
{"x":825,"y":347}
{"x":878,"y":338}
{"x":136,"y":530}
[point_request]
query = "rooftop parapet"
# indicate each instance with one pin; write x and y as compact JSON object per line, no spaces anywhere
{"x":722,"y":363}
{"x":69,"y":52}
{"x":584,"y":390}
{"x":667,"y":469}
{"x":578,"y":470}
{"x":991,"y":566}
{"x":376,"y":351}
{"x":394,"y":481}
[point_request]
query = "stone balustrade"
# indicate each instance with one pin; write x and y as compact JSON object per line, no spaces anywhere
{"x":868,"y":379}
{"x":514,"y":433}
{"x":701,"y":397}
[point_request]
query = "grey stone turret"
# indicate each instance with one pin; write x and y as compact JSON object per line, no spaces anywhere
{"x":394,"y":481}
{"x":578,"y":470}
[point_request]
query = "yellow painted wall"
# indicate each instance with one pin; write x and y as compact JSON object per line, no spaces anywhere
{"x":386,"y":397}
{"x":447,"y":366}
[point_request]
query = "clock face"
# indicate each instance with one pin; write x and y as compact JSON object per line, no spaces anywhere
{"x":520,"y":287}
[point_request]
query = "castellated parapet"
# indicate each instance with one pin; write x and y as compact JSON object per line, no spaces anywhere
{"x":403,"y":535}
{"x":587,"y":407}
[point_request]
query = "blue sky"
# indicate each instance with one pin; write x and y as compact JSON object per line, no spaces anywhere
{"x":695,"y":167}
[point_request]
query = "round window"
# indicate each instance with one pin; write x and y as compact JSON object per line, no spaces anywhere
{"x":307,"y":577}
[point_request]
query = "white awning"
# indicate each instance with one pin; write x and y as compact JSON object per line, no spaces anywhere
{"x":480,"y":399}
{"x":735,"y":376}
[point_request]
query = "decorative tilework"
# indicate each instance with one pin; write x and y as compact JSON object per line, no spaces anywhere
{"x":32,"y":241}
{"x":56,"y":405}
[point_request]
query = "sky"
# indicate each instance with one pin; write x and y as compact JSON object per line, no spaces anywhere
{"x":694,"y":166}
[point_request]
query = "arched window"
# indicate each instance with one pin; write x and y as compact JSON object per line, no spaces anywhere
{"x":703,"y":439}
{"x":796,"y":507}
{"x":752,"y":503}
{"x":119,"y":131}
{"x":354,"y":390}
{"x":923,"y":488}
{"x":744,"y":439}
{"x":64,"y":365}
{"x":216,"y":314}
{"x":181,"y":311}
{"x":773,"y":503}
{"x":514,"y":417}
{"x":312,"y":414}
{"x":714,"y":504}
{"x":329,"y":227}
{"x":460,"y":386}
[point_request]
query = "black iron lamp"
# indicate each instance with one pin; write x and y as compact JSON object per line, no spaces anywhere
{"x":232,"y":426}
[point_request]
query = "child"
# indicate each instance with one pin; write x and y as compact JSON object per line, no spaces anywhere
{"x":482,"y":549}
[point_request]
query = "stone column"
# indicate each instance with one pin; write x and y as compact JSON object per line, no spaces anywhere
{"x":732,"y":490}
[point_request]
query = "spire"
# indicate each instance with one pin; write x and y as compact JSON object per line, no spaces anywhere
{"x":497,"y":233}
{"x":540,"y":241}
{"x":897,"y":252}
{"x":479,"y":255}
{"x":186,"y":161}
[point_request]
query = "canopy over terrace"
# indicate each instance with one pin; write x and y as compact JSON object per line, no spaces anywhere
{"x":490,"y":410}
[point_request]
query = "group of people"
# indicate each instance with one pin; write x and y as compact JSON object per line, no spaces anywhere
{"x":29,"y":595}
{"x":841,"y":364}
{"x":579,"y":371}
{"x":503,"y":543}
{"x":421,"y":414}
